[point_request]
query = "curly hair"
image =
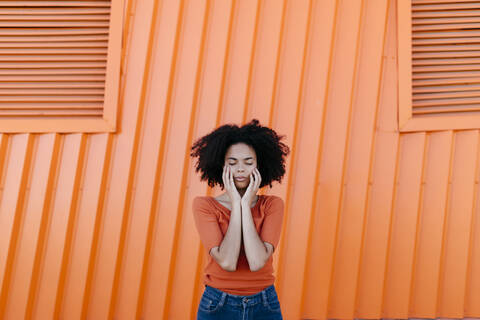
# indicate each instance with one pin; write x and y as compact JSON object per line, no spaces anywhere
{"x":211,"y":149}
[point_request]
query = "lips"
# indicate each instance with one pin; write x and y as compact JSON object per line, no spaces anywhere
{"x":240,"y":178}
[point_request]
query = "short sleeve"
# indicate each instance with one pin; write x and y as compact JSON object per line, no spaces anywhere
{"x":272,"y":224}
{"x":207,"y":224}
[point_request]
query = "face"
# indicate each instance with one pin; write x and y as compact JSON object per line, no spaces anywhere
{"x":242,"y":160}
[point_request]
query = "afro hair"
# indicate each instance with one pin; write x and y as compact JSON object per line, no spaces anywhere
{"x":212,"y":148}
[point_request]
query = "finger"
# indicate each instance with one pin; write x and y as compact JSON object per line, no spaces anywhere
{"x":232,"y":183}
{"x":250,"y":183}
{"x":259,"y":176}
{"x":228,"y":177}
{"x":224,"y":176}
{"x":257,"y":179}
{"x":229,"y":180}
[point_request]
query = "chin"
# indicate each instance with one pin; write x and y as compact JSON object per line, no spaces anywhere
{"x":239,"y":186}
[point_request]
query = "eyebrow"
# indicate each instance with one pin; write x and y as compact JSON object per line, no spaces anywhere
{"x":236,"y":158}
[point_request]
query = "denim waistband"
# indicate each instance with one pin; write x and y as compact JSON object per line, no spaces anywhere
{"x":236,"y":300}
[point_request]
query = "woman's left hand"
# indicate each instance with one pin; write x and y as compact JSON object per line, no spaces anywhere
{"x":253,"y":186}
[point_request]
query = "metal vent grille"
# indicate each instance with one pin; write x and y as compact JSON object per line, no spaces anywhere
{"x":53,"y":57}
{"x":445,"y":57}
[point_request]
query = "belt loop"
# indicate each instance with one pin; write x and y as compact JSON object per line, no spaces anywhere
{"x":222,"y":299}
{"x":264,"y":298}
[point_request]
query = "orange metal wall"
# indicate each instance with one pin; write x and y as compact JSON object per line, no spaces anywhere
{"x":378,"y":224}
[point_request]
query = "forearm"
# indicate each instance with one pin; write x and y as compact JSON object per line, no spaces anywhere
{"x":229,"y":249}
{"x":255,"y":249}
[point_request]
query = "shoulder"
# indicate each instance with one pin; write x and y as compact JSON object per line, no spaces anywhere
{"x":202,"y":207}
{"x":274,"y":202}
{"x":200,"y":201}
{"x":199,"y":198}
{"x":271,"y":198}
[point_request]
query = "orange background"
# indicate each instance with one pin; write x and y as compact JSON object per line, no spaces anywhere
{"x":377,"y":224}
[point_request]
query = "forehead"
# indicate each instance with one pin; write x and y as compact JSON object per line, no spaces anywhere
{"x":240,"y":151}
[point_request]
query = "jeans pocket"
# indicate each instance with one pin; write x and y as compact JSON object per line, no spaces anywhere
{"x":209,"y":304}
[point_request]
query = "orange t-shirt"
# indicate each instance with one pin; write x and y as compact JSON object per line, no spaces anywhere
{"x":212,"y":219}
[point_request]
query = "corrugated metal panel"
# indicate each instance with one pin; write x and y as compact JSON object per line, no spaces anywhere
{"x":378,"y":224}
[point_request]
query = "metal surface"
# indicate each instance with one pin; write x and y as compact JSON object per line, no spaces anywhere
{"x":378,"y":224}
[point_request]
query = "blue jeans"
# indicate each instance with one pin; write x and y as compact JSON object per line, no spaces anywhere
{"x":218,"y":305}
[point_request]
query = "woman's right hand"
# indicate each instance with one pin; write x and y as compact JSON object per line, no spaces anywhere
{"x":229,"y":184}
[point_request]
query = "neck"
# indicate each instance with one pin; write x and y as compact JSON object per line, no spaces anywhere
{"x":242,"y":191}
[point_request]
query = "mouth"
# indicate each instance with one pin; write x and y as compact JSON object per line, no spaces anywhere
{"x":240,"y":179}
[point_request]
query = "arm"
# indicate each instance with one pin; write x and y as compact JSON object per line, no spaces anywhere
{"x":256,"y":251}
{"x":226,"y":255}
{"x":224,"y":249}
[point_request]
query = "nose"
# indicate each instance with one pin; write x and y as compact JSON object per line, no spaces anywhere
{"x":240,"y":168}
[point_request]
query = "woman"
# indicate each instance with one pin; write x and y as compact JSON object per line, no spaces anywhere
{"x":239,"y":229}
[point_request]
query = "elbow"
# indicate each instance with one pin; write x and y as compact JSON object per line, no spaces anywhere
{"x":259,"y":264}
{"x":228,"y":267}
{"x":257,"y":267}
{"x":225,"y":265}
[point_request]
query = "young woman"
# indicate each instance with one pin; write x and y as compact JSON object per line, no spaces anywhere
{"x":239,"y":229}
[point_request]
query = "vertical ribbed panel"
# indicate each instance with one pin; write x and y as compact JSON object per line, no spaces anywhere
{"x":378,"y":224}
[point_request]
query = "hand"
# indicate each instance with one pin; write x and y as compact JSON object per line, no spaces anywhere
{"x":229,"y":184}
{"x":252,"y":189}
